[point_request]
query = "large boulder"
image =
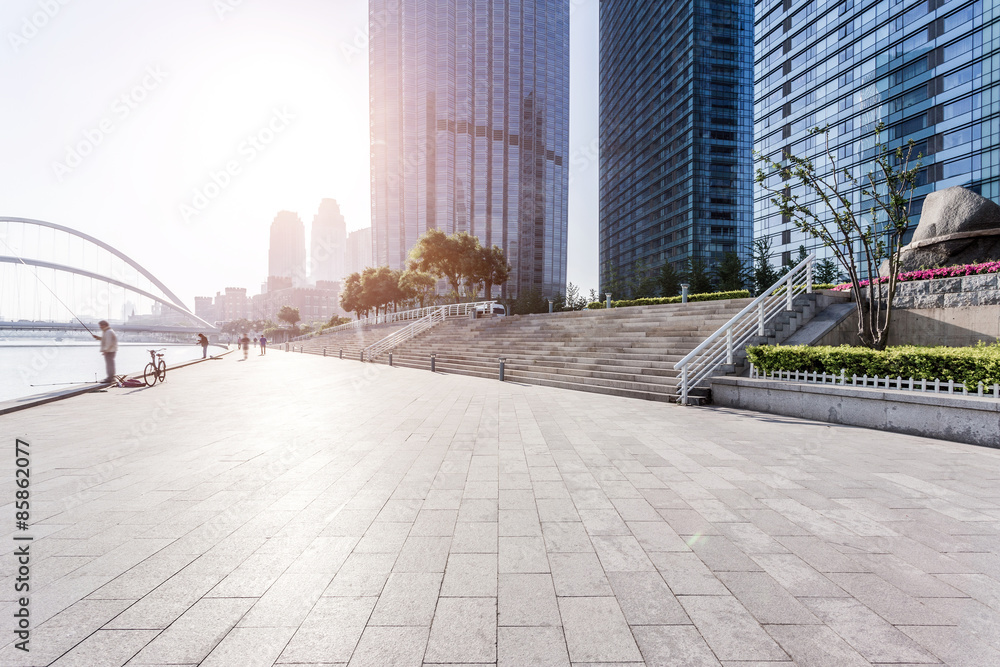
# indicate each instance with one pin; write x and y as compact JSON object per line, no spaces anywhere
{"x":957,"y":226}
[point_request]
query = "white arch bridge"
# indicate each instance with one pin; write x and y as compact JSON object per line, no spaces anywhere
{"x":55,"y":278}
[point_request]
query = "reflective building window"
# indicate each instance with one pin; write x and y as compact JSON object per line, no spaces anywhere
{"x":676,"y":126}
{"x":469,"y":109}
{"x":926,"y":70}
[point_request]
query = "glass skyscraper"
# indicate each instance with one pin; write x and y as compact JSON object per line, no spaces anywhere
{"x":928,"y":70}
{"x":470,"y":129}
{"x":676,"y":126}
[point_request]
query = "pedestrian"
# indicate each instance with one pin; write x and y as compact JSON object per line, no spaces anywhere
{"x":263,"y":345}
{"x":203,"y":341}
{"x":245,"y":341}
{"x":255,"y":341}
{"x":109,"y":348}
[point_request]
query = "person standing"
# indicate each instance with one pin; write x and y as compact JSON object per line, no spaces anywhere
{"x":109,"y":348}
{"x":263,"y":344}
{"x":203,"y":341}
{"x":245,"y":342}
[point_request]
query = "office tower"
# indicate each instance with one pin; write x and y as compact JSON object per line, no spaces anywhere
{"x":470,"y":129}
{"x":676,"y":128}
{"x":328,"y":241}
{"x":359,"y":251}
{"x":925,"y":69}
{"x":287,"y":254}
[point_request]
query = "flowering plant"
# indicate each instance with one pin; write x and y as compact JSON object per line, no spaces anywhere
{"x":930,"y":274}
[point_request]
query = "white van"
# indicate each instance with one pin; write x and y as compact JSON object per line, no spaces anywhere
{"x":498,"y":311}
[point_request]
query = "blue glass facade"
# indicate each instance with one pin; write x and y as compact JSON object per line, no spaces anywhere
{"x":928,"y":70}
{"x":470,"y":129}
{"x":676,"y":131}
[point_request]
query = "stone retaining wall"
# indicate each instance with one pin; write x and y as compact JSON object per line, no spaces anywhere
{"x":983,"y":290}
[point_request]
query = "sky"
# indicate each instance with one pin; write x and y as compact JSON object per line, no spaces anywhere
{"x":176,"y":131}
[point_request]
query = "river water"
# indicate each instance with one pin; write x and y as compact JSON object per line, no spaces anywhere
{"x":29,"y":366}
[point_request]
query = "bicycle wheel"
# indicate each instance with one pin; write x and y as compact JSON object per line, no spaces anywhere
{"x":149,"y":376}
{"x":161,"y":370}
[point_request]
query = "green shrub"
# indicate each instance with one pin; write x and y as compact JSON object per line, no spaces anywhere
{"x":967,"y":365}
{"x":707,"y":296}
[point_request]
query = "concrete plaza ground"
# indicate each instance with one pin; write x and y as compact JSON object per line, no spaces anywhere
{"x":297,"y":510}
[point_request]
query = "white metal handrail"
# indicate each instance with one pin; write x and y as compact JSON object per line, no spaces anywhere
{"x":388,"y":318}
{"x":438,"y":315}
{"x":720,"y":347}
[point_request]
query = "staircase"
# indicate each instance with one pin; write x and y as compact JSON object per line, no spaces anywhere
{"x":622,"y":351}
{"x":351,"y":341}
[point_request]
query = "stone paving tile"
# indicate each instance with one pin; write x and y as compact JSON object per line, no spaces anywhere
{"x":106,"y":648}
{"x":306,"y":530}
{"x":391,"y":647}
{"x":596,"y":631}
{"x":663,"y":646}
{"x":541,"y":647}
{"x":464,"y":630}
{"x":729,"y":629}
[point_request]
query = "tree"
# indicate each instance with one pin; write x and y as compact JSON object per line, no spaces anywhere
{"x":642,"y":284}
{"x":380,"y":288}
{"x":827,"y":271}
{"x":290,"y":315}
{"x":491,"y":268}
{"x":698,"y":276}
{"x":351,"y":296}
{"x":795,"y":261}
{"x":417,"y":285}
{"x":668,"y":281}
{"x":729,"y":273}
{"x":762,"y":273}
{"x":574,"y":300}
{"x":441,"y":255}
{"x":860,"y":242}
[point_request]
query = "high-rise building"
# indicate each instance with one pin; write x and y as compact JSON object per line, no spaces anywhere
{"x":470,"y":129}
{"x":676,"y":128}
{"x":328,"y":240}
{"x":359,"y":251}
{"x":287,"y":254}
{"x":927,"y":70}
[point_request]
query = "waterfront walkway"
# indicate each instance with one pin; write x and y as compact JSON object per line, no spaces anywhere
{"x":297,"y":510}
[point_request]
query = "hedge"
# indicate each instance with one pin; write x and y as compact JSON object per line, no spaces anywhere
{"x":967,"y":365}
{"x":708,"y":296}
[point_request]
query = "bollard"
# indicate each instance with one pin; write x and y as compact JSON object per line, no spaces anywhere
{"x":607,"y":300}
{"x":502,"y":360}
{"x":324,"y":351}
{"x":433,"y":359}
{"x":390,"y":358}
{"x":362,"y":355}
{"x":550,"y":306}
{"x":684,"y":292}
{"x":341,"y":353}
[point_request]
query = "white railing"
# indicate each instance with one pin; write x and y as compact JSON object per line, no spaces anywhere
{"x":749,"y":323}
{"x":387,"y":318}
{"x":898,"y":383}
{"x":435,"y":317}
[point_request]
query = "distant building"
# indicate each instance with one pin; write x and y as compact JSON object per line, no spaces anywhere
{"x":359,"y":251}
{"x":327,"y":248}
{"x":318,"y":303}
{"x":287,"y":251}
{"x":205,"y":308}
{"x":676,"y":131}
{"x":470,"y":130}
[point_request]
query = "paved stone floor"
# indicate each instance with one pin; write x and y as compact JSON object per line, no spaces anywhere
{"x":296,"y":510}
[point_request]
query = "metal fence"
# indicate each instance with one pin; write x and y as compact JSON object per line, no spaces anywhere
{"x":875,"y":382}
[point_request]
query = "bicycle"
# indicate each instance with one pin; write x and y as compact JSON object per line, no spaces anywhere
{"x":156,"y":369}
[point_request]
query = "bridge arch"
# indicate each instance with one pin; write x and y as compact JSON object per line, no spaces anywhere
{"x":21,"y":246}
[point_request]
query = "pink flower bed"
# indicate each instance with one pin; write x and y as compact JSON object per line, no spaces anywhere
{"x":931,"y":274}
